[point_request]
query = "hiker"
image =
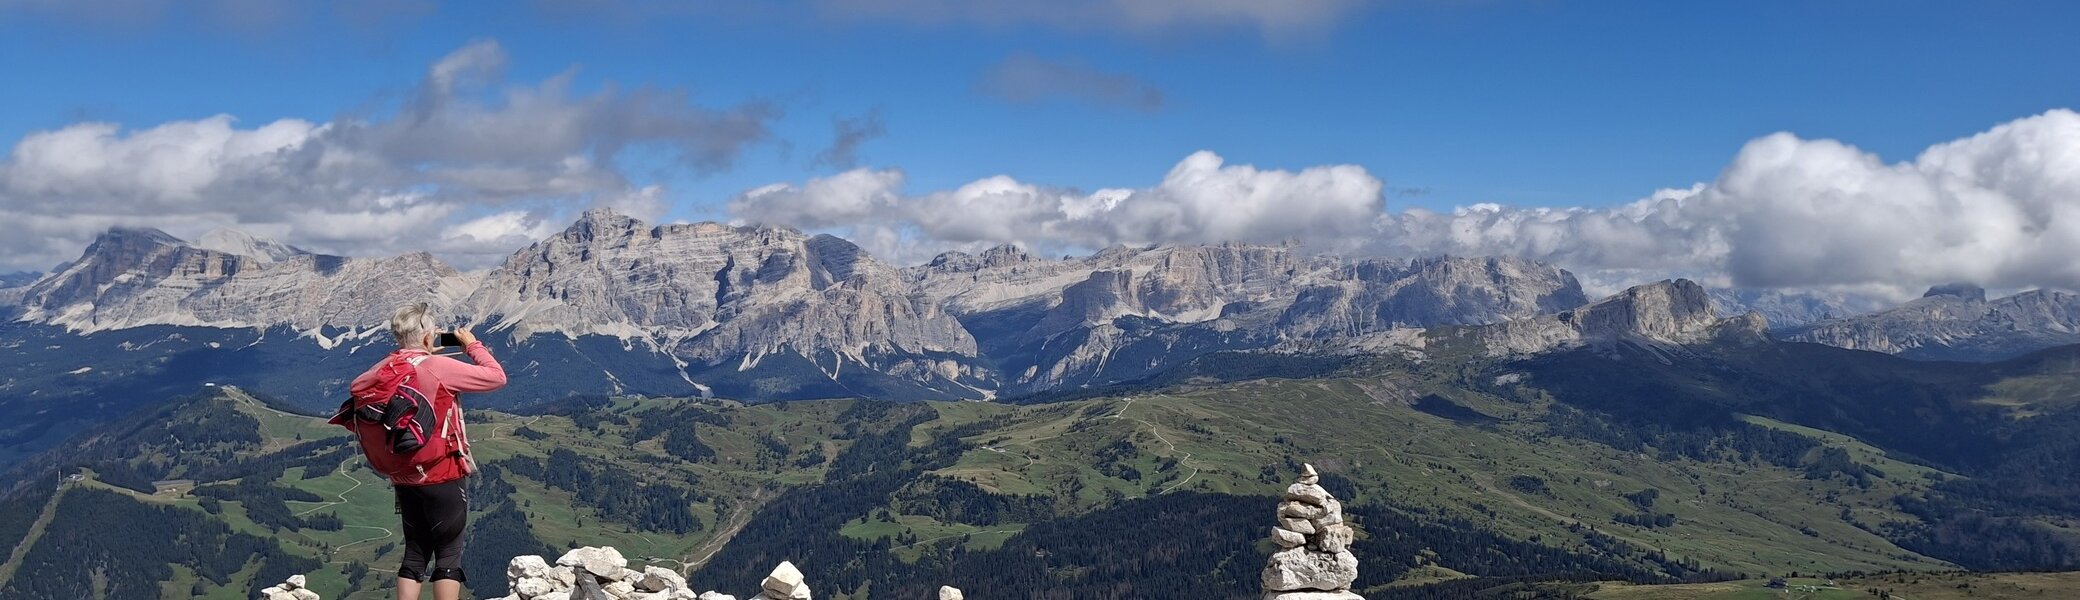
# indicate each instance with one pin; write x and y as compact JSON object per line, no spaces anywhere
{"x":407,"y":415}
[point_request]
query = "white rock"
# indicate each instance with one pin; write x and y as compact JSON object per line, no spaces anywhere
{"x":1300,"y":510}
{"x":279,"y":595}
{"x":556,"y":595}
{"x":527,"y":566}
{"x":947,"y":592}
{"x":711,"y":595}
{"x":1307,"y":474}
{"x":620,"y":590}
{"x":784,"y":582}
{"x":532,"y":587}
{"x":295,"y":582}
{"x":1299,"y":569}
{"x":1335,"y":538}
{"x":1309,"y":493}
{"x":1337,"y":595}
{"x":272,"y":590}
{"x":303,"y":594}
{"x":1300,"y":526}
{"x":565,"y":577}
{"x":1332,"y":513}
{"x":660,"y":579}
{"x":1287,"y":538}
{"x":603,"y":560}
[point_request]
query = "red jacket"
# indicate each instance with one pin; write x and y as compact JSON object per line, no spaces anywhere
{"x":451,"y":377}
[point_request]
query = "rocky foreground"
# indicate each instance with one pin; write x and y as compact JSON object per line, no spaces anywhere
{"x":1314,"y":563}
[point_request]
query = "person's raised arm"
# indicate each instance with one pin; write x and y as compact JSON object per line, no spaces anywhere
{"x":483,"y":376}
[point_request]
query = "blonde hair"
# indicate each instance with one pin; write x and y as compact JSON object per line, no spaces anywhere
{"x":411,"y":323}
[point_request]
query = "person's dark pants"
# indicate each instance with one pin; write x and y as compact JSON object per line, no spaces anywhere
{"x":434,"y":517}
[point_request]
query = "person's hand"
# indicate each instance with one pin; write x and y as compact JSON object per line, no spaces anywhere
{"x":464,"y":336}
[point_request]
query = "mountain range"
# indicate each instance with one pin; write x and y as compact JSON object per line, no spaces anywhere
{"x":613,"y":305}
{"x":1956,"y":322}
{"x":761,"y":310}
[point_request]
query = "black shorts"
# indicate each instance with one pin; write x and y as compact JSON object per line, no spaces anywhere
{"x":434,"y":517}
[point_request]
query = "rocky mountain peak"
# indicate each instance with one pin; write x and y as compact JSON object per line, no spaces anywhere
{"x":1005,"y":254}
{"x":1670,"y":308}
{"x":1956,"y":322}
{"x":232,"y":241}
{"x":604,"y":223}
{"x":1969,"y":292}
{"x":1671,"y":311}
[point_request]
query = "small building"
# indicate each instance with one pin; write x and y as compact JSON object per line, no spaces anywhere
{"x":172,"y":487}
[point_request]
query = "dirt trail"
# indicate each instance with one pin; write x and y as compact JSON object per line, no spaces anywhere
{"x":722,"y":538}
{"x":43,"y":520}
{"x":1182,"y":460}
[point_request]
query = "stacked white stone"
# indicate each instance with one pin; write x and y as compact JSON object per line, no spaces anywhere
{"x":531,"y":578}
{"x":1315,"y":561}
{"x":947,"y":592}
{"x":784,"y":584}
{"x":289,"y":590}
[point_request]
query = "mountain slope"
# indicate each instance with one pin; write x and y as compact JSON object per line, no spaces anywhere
{"x":1670,"y":313}
{"x":138,"y":277}
{"x":1720,"y":460}
{"x":1957,"y":322}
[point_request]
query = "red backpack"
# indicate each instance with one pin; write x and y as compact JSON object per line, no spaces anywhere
{"x":411,"y":434}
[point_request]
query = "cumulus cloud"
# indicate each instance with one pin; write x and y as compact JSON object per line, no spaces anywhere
{"x":1202,"y":200}
{"x":1025,"y":78}
{"x":468,"y":165}
{"x":2000,"y":209}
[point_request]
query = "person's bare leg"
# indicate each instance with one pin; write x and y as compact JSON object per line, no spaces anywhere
{"x":408,"y":589}
{"x":447,"y":589}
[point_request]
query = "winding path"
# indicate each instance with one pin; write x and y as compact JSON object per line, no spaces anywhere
{"x":386,"y":535}
{"x":342,"y":471}
{"x":1182,"y":460}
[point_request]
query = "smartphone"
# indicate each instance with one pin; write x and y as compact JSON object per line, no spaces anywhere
{"x":448,"y":340}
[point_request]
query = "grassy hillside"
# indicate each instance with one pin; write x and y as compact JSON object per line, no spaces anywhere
{"x":1489,"y":465}
{"x":1464,"y":476}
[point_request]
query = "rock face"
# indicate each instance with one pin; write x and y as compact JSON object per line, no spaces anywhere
{"x":1320,"y":566}
{"x":1787,"y":309}
{"x":769,"y":313}
{"x":132,"y":277}
{"x":1669,"y":312}
{"x":1125,"y":312}
{"x":1956,"y":322}
{"x":289,"y":590}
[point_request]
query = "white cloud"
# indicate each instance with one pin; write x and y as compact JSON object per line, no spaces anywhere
{"x":2000,"y":209}
{"x":1201,"y":200}
{"x":466,"y":144}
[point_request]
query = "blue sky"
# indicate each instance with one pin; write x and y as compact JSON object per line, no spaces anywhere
{"x":1528,"y":103}
{"x":1518,"y":103}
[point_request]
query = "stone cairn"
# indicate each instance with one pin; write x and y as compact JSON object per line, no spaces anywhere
{"x":591,"y":573}
{"x":1314,"y":561}
{"x":289,"y":590}
{"x":601,"y":573}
